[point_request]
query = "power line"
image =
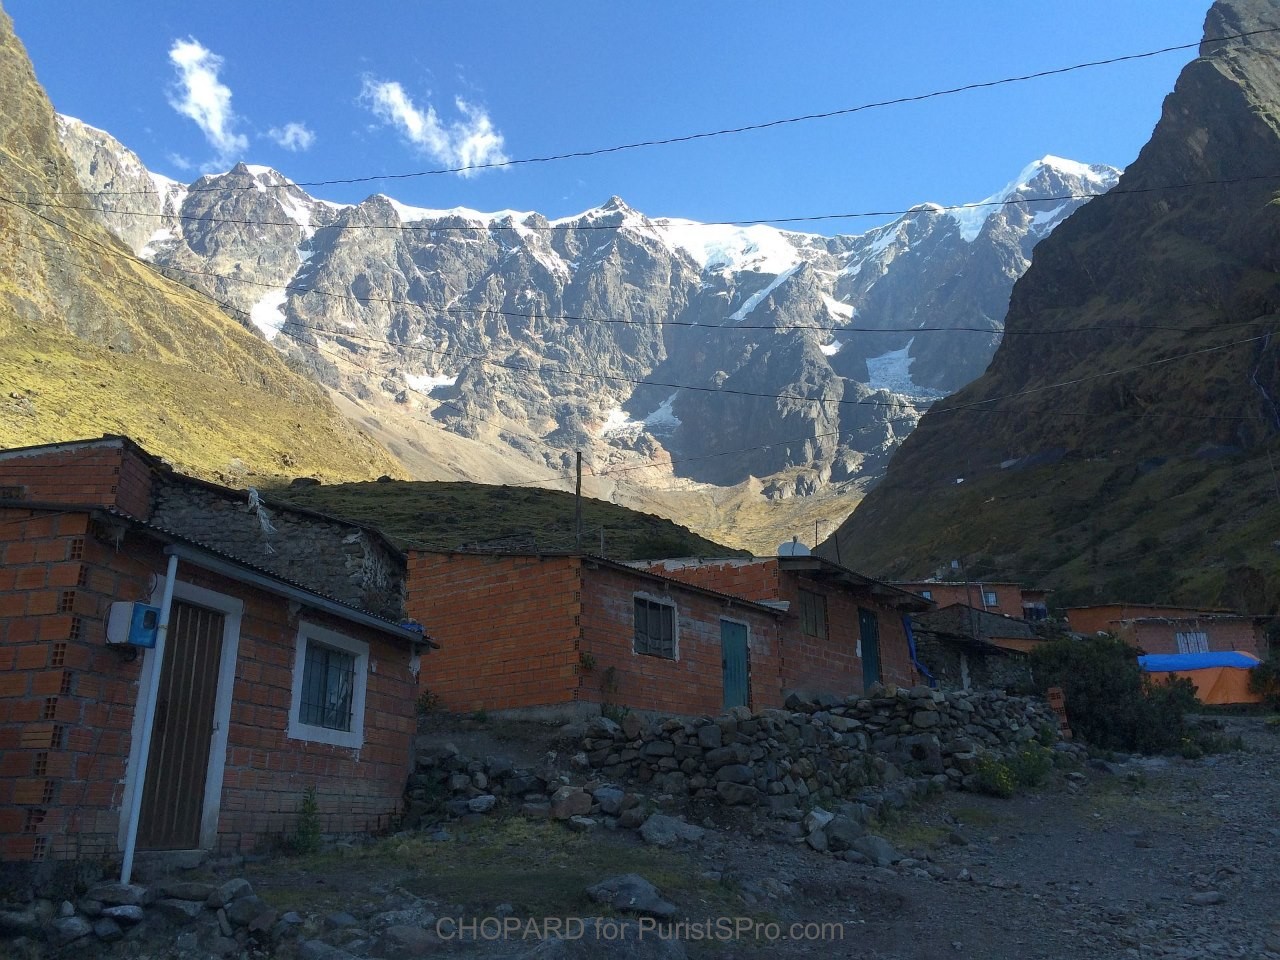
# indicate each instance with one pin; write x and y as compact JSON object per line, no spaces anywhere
{"x":752,"y":127}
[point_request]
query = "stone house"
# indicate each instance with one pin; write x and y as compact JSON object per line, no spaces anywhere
{"x":284,"y":667}
{"x":558,"y":634}
{"x":965,"y":648}
{"x":1167,"y":629}
{"x":842,"y":632}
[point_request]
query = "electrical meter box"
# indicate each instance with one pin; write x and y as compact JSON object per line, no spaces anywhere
{"x":134,"y":624}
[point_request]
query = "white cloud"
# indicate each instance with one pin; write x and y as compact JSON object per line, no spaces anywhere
{"x":202,"y":97}
{"x":293,"y":136}
{"x":468,"y":142}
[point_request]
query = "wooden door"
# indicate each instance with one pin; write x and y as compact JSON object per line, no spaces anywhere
{"x":869,"y":634}
{"x":173,"y":793}
{"x":733,"y":656}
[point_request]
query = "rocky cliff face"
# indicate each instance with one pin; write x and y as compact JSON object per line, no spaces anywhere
{"x":714,"y":353}
{"x":93,"y":341}
{"x":1082,"y":458}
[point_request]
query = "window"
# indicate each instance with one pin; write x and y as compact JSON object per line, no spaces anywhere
{"x":330,"y":672}
{"x":813,"y":614}
{"x":927,"y":594}
{"x":989,"y":598}
{"x":655,"y":628}
{"x":1193,"y":641}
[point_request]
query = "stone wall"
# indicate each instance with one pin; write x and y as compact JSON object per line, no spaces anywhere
{"x":328,"y":556}
{"x":825,"y":748}
{"x":988,"y":670}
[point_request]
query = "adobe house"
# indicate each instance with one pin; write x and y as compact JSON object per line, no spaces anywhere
{"x":277,"y":675}
{"x":842,"y":631}
{"x":1167,"y":629}
{"x":557,"y":634}
{"x":1004,"y":598}
{"x":965,"y":648}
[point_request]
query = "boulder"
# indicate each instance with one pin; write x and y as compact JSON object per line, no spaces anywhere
{"x":631,"y":893}
{"x":877,"y":849}
{"x":570,"y":802}
{"x":661,"y":830}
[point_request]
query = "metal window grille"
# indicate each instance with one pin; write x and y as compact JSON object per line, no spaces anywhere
{"x":328,"y":682}
{"x":990,"y":598}
{"x":655,"y":629}
{"x":813,"y":613}
{"x":1192,"y":641}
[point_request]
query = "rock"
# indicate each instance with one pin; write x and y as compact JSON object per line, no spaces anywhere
{"x":231,"y":890}
{"x":117,"y":894}
{"x":631,"y":893}
{"x":817,"y":818}
{"x":817,"y":839}
{"x":340,"y":920}
{"x":569,"y":802}
{"x":877,"y":849}
{"x":661,"y":830}
{"x":843,"y":832}
{"x":736,"y":773}
{"x":66,"y":930}
{"x":127,"y":913}
{"x":632,"y":726}
{"x":925,"y":719}
{"x":188,"y":891}
{"x":245,"y":910}
{"x":483,"y":803}
{"x":263,"y":922}
{"x":107,"y":930}
{"x":737,"y":794}
{"x":602,"y":728}
{"x":710,"y":737}
{"x":610,"y":800}
{"x":631,"y":819}
{"x":20,"y":923}
{"x":1206,"y":898}
{"x":535,"y":811}
{"x":178,"y":911}
{"x":957,"y":839}
{"x":406,"y":942}
{"x":580,"y":824}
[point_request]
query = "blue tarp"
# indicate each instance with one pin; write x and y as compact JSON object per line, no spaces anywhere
{"x":1182,"y":662}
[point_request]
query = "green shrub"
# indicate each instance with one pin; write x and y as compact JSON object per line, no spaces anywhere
{"x":306,"y":834}
{"x":995,"y":778}
{"x":1265,"y":679}
{"x":1110,"y":702}
{"x":427,"y":702}
{"x":1031,"y":765}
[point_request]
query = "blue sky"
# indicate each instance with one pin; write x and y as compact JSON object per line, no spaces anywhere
{"x":325,"y":90}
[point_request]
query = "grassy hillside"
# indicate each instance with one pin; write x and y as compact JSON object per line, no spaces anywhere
{"x":94,"y":341}
{"x":450,"y":515}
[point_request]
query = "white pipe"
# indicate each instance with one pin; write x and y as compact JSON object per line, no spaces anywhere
{"x":155,"y":660}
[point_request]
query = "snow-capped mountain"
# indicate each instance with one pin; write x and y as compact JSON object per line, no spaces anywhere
{"x":734,"y":351}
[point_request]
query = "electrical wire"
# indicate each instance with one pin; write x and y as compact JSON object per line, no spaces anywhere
{"x":752,"y":127}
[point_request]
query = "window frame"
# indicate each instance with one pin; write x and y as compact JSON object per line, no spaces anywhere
{"x":813,"y":606}
{"x":309,"y":633}
{"x":1197,"y":638}
{"x":651,"y":602}
{"x":990,"y":598}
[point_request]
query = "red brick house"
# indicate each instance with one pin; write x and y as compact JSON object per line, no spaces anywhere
{"x":842,"y":631}
{"x":1166,"y":629}
{"x":269,"y":684}
{"x":567,"y":633}
{"x":1007,"y":599}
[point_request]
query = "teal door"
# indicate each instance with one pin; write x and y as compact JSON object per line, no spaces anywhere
{"x":733,"y":657}
{"x":869,"y":632}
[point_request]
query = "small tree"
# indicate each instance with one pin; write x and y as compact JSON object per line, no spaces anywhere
{"x":1111,"y":703}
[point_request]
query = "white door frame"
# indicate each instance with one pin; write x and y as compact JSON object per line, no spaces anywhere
{"x":232,"y":610}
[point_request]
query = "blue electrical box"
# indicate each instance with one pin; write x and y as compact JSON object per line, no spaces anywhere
{"x":134,"y":624}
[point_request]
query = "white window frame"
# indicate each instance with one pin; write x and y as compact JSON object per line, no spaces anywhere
{"x":353,"y":738}
{"x":1192,"y":641}
{"x":990,"y":599}
{"x":675,"y":625}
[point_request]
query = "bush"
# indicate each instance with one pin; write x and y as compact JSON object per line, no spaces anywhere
{"x":995,"y":778}
{"x":1110,"y":702}
{"x":1031,"y":765}
{"x":1265,"y":679}
{"x":306,"y":835}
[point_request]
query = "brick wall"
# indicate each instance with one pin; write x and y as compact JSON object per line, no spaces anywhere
{"x":1008,"y":595}
{"x":1105,"y":618}
{"x":328,"y":556}
{"x":102,"y":473}
{"x":67,"y":701}
{"x":1222,"y":635}
{"x":508,"y":628}
{"x":808,"y":664}
{"x":692,"y":683}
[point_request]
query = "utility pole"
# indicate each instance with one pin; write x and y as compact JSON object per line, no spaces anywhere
{"x":577,"y":509}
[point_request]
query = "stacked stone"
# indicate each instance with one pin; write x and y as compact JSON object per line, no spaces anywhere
{"x":825,"y":748}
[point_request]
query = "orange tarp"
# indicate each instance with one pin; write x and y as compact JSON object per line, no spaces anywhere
{"x":1219,"y":684}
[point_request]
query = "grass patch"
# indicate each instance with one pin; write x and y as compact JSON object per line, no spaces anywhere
{"x":911,"y":834}
{"x":977,"y":816}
